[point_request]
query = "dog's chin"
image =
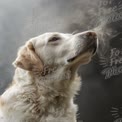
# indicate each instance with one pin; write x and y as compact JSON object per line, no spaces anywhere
{"x":84,"y":57}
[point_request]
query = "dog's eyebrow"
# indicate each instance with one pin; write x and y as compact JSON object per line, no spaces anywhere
{"x":56,"y":35}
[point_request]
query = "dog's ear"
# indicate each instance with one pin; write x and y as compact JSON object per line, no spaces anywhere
{"x":27,"y":59}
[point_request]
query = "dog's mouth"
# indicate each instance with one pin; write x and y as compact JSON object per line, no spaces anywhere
{"x":91,"y":49}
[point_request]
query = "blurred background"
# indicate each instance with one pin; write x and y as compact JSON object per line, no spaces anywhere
{"x":100,"y":98}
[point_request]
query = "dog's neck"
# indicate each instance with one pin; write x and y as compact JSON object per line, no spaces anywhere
{"x":49,"y":74}
{"x":48,"y":69}
{"x":55,"y":72}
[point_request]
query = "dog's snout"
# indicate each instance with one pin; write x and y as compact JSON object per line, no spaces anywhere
{"x":89,"y":38}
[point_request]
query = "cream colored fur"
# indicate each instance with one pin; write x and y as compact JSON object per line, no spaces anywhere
{"x":45,"y":83}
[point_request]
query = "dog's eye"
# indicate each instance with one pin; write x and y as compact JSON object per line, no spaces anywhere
{"x":53,"y":39}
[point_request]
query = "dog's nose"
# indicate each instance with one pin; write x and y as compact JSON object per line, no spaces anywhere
{"x":91,"y":35}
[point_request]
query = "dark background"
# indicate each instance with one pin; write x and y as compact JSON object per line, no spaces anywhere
{"x":100,"y":98}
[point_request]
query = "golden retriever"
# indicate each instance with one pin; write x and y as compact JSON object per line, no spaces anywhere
{"x":45,"y":80}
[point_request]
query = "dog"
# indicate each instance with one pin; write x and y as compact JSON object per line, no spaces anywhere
{"x":46,"y":80}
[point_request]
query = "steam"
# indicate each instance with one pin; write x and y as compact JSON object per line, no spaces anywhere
{"x":104,"y":34}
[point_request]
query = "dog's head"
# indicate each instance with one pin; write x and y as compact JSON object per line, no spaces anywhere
{"x":57,"y":49}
